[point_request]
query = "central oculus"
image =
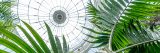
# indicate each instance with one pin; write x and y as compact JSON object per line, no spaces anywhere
{"x":59,"y":17}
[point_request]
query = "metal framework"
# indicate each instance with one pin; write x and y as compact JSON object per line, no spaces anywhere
{"x":65,"y":17}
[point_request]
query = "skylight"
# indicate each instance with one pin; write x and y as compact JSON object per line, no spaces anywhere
{"x":65,"y":17}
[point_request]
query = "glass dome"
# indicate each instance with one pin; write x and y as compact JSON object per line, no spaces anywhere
{"x":65,"y":17}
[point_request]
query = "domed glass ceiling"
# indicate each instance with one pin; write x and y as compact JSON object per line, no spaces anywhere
{"x":65,"y":17}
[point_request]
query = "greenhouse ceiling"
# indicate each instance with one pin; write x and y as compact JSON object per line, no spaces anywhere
{"x":79,"y":26}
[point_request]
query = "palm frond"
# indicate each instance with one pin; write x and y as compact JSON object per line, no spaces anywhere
{"x":11,"y":45}
{"x":15,"y":43}
{"x":123,"y":21}
{"x":55,"y":42}
{"x":31,"y":40}
{"x":52,"y":39}
{"x":6,"y":15}
{"x":65,"y":46}
{"x":17,"y":40}
{"x":2,"y":51}
{"x":38,"y":38}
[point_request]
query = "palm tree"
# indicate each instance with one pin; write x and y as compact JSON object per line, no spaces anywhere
{"x":129,"y":26}
{"x":18,"y":45}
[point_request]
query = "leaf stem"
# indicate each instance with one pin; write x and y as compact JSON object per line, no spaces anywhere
{"x":111,"y":37}
{"x":112,"y":31}
{"x":135,"y":45}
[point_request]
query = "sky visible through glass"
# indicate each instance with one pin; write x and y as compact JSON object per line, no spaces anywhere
{"x":36,"y":12}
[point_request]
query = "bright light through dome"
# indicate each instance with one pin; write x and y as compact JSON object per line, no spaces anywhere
{"x":65,"y":17}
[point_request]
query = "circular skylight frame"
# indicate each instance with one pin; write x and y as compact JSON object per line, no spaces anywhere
{"x":28,"y":13}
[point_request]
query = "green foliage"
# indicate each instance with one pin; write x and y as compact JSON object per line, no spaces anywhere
{"x":39,"y":46}
{"x":2,"y":51}
{"x":124,"y":23}
{"x":6,"y":15}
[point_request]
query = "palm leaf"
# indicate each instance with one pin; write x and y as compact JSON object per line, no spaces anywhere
{"x":55,"y":42}
{"x":2,"y":51}
{"x":38,"y":38}
{"x":123,"y":21}
{"x":6,"y":17}
{"x":11,"y":45}
{"x":58,"y":43}
{"x":20,"y":46}
{"x":52,"y":39}
{"x":17,"y":40}
{"x":31,"y":40}
{"x":65,"y":46}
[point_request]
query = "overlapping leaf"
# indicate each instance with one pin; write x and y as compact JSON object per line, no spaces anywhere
{"x":39,"y":46}
{"x":6,"y":16}
{"x":124,"y":20}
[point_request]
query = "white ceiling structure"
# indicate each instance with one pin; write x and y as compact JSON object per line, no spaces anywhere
{"x":65,"y":17}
